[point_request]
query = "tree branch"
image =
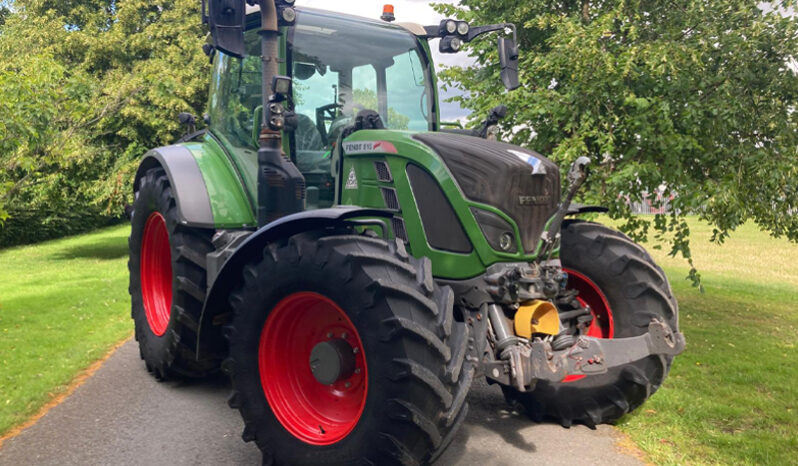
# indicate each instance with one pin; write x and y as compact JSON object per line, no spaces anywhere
{"x":586,"y":11}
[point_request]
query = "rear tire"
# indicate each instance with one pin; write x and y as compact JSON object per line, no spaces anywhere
{"x":636,"y":291}
{"x":409,"y":398}
{"x":167,"y":282}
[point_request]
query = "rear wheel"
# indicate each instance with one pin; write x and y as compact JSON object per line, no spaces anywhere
{"x":624,"y":290}
{"x":167,"y":281}
{"x":344,"y":351}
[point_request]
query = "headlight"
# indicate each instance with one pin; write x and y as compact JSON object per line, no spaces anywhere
{"x":289,"y":15}
{"x":497,"y":231}
{"x":451,"y":26}
{"x":451,"y":44}
{"x":463,"y":28}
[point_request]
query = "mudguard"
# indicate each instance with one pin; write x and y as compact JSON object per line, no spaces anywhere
{"x":313,"y":220}
{"x":576,"y":209}
{"x":187,"y":183}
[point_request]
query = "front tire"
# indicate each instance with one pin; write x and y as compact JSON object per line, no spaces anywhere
{"x":625,"y":290}
{"x":167,"y":282}
{"x":402,"y":398}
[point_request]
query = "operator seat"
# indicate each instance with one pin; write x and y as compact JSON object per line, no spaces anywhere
{"x":307,"y":135}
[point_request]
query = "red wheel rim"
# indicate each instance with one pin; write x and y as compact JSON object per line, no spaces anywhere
{"x":156,"y":274}
{"x":591,"y":295}
{"x":312,"y":412}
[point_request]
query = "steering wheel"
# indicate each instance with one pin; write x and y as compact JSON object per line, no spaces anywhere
{"x":324,"y":114}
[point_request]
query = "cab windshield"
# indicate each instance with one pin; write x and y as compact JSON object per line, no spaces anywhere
{"x":342,"y":65}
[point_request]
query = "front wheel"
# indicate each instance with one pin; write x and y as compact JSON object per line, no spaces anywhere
{"x":167,"y":282}
{"x":344,"y":351}
{"x":624,"y":290}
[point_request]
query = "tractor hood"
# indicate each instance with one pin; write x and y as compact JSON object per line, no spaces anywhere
{"x":521,"y":183}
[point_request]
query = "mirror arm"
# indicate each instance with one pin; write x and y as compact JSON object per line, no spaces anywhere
{"x":433,"y":32}
{"x":480,"y":30}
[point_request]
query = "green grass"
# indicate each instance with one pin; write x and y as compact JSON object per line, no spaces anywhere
{"x":732,"y":397}
{"x":63,"y":304}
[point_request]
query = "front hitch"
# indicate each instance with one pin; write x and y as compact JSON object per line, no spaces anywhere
{"x":588,"y":356}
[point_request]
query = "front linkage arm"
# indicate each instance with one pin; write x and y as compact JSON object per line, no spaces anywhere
{"x":588,"y":356}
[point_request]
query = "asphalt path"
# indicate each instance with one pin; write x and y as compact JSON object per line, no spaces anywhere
{"x":122,"y":416}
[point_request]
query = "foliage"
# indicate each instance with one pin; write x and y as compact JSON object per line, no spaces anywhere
{"x":694,"y":97}
{"x":4,"y":12}
{"x":86,"y":87}
{"x":29,"y":227}
{"x":367,"y":98}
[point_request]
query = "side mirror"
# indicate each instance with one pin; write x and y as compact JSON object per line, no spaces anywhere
{"x":508,"y":56}
{"x":499,"y":112}
{"x":228,"y":19}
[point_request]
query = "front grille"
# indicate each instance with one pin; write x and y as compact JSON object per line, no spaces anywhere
{"x":443,"y":229}
{"x":522,"y":184}
{"x":391,"y":201}
{"x":383,"y":171}
{"x":398,"y":225}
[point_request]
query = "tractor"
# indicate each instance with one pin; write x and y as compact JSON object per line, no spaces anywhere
{"x":353,"y":264}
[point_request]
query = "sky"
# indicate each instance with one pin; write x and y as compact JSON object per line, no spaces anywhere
{"x":407,"y":11}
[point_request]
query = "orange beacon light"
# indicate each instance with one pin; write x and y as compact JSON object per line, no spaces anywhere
{"x":388,"y":13}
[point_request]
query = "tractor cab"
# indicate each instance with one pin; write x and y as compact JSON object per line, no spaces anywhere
{"x":340,"y":65}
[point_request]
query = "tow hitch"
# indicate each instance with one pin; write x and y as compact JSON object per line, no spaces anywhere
{"x":537,"y":360}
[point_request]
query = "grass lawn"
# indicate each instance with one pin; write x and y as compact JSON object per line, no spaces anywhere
{"x":732,"y":397}
{"x":63,"y":305}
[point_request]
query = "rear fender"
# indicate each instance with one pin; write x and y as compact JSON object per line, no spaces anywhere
{"x":214,"y":313}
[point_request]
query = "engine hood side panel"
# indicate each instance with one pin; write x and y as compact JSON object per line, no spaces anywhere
{"x":398,"y":150}
{"x":521,"y":183}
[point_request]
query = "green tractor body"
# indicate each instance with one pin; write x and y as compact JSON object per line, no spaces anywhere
{"x":441,"y":254}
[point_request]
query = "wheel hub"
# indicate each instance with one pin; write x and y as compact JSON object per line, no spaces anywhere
{"x":313,"y":368}
{"x":331,"y":361}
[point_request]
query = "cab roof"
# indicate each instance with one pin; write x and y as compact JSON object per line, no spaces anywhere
{"x":413,"y":28}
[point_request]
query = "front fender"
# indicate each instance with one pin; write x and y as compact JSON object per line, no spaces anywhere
{"x":216,"y":306}
{"x":186,"y":181}
{"x":577,"y":209}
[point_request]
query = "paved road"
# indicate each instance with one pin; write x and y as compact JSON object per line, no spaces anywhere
{"x":121,"y":416}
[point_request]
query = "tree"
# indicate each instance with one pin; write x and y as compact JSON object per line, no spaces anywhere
{"x":367,"y":98}
{"x":695,"y":96}
{"x":86,"y":87}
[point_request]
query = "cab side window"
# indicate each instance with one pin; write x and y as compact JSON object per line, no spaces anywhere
{"x":236,"y":95}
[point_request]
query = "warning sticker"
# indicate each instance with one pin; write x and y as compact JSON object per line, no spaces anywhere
{"x":351,"y":182}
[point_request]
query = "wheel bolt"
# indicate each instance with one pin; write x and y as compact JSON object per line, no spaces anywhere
{"x":344,"y":335}
{"x":355,"y":350}
{"x":347,"y":385}
{"x":329,"y":335}
{"x":357,"y":371}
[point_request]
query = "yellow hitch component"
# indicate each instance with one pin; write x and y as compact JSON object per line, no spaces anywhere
{"x":537,"y":317}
